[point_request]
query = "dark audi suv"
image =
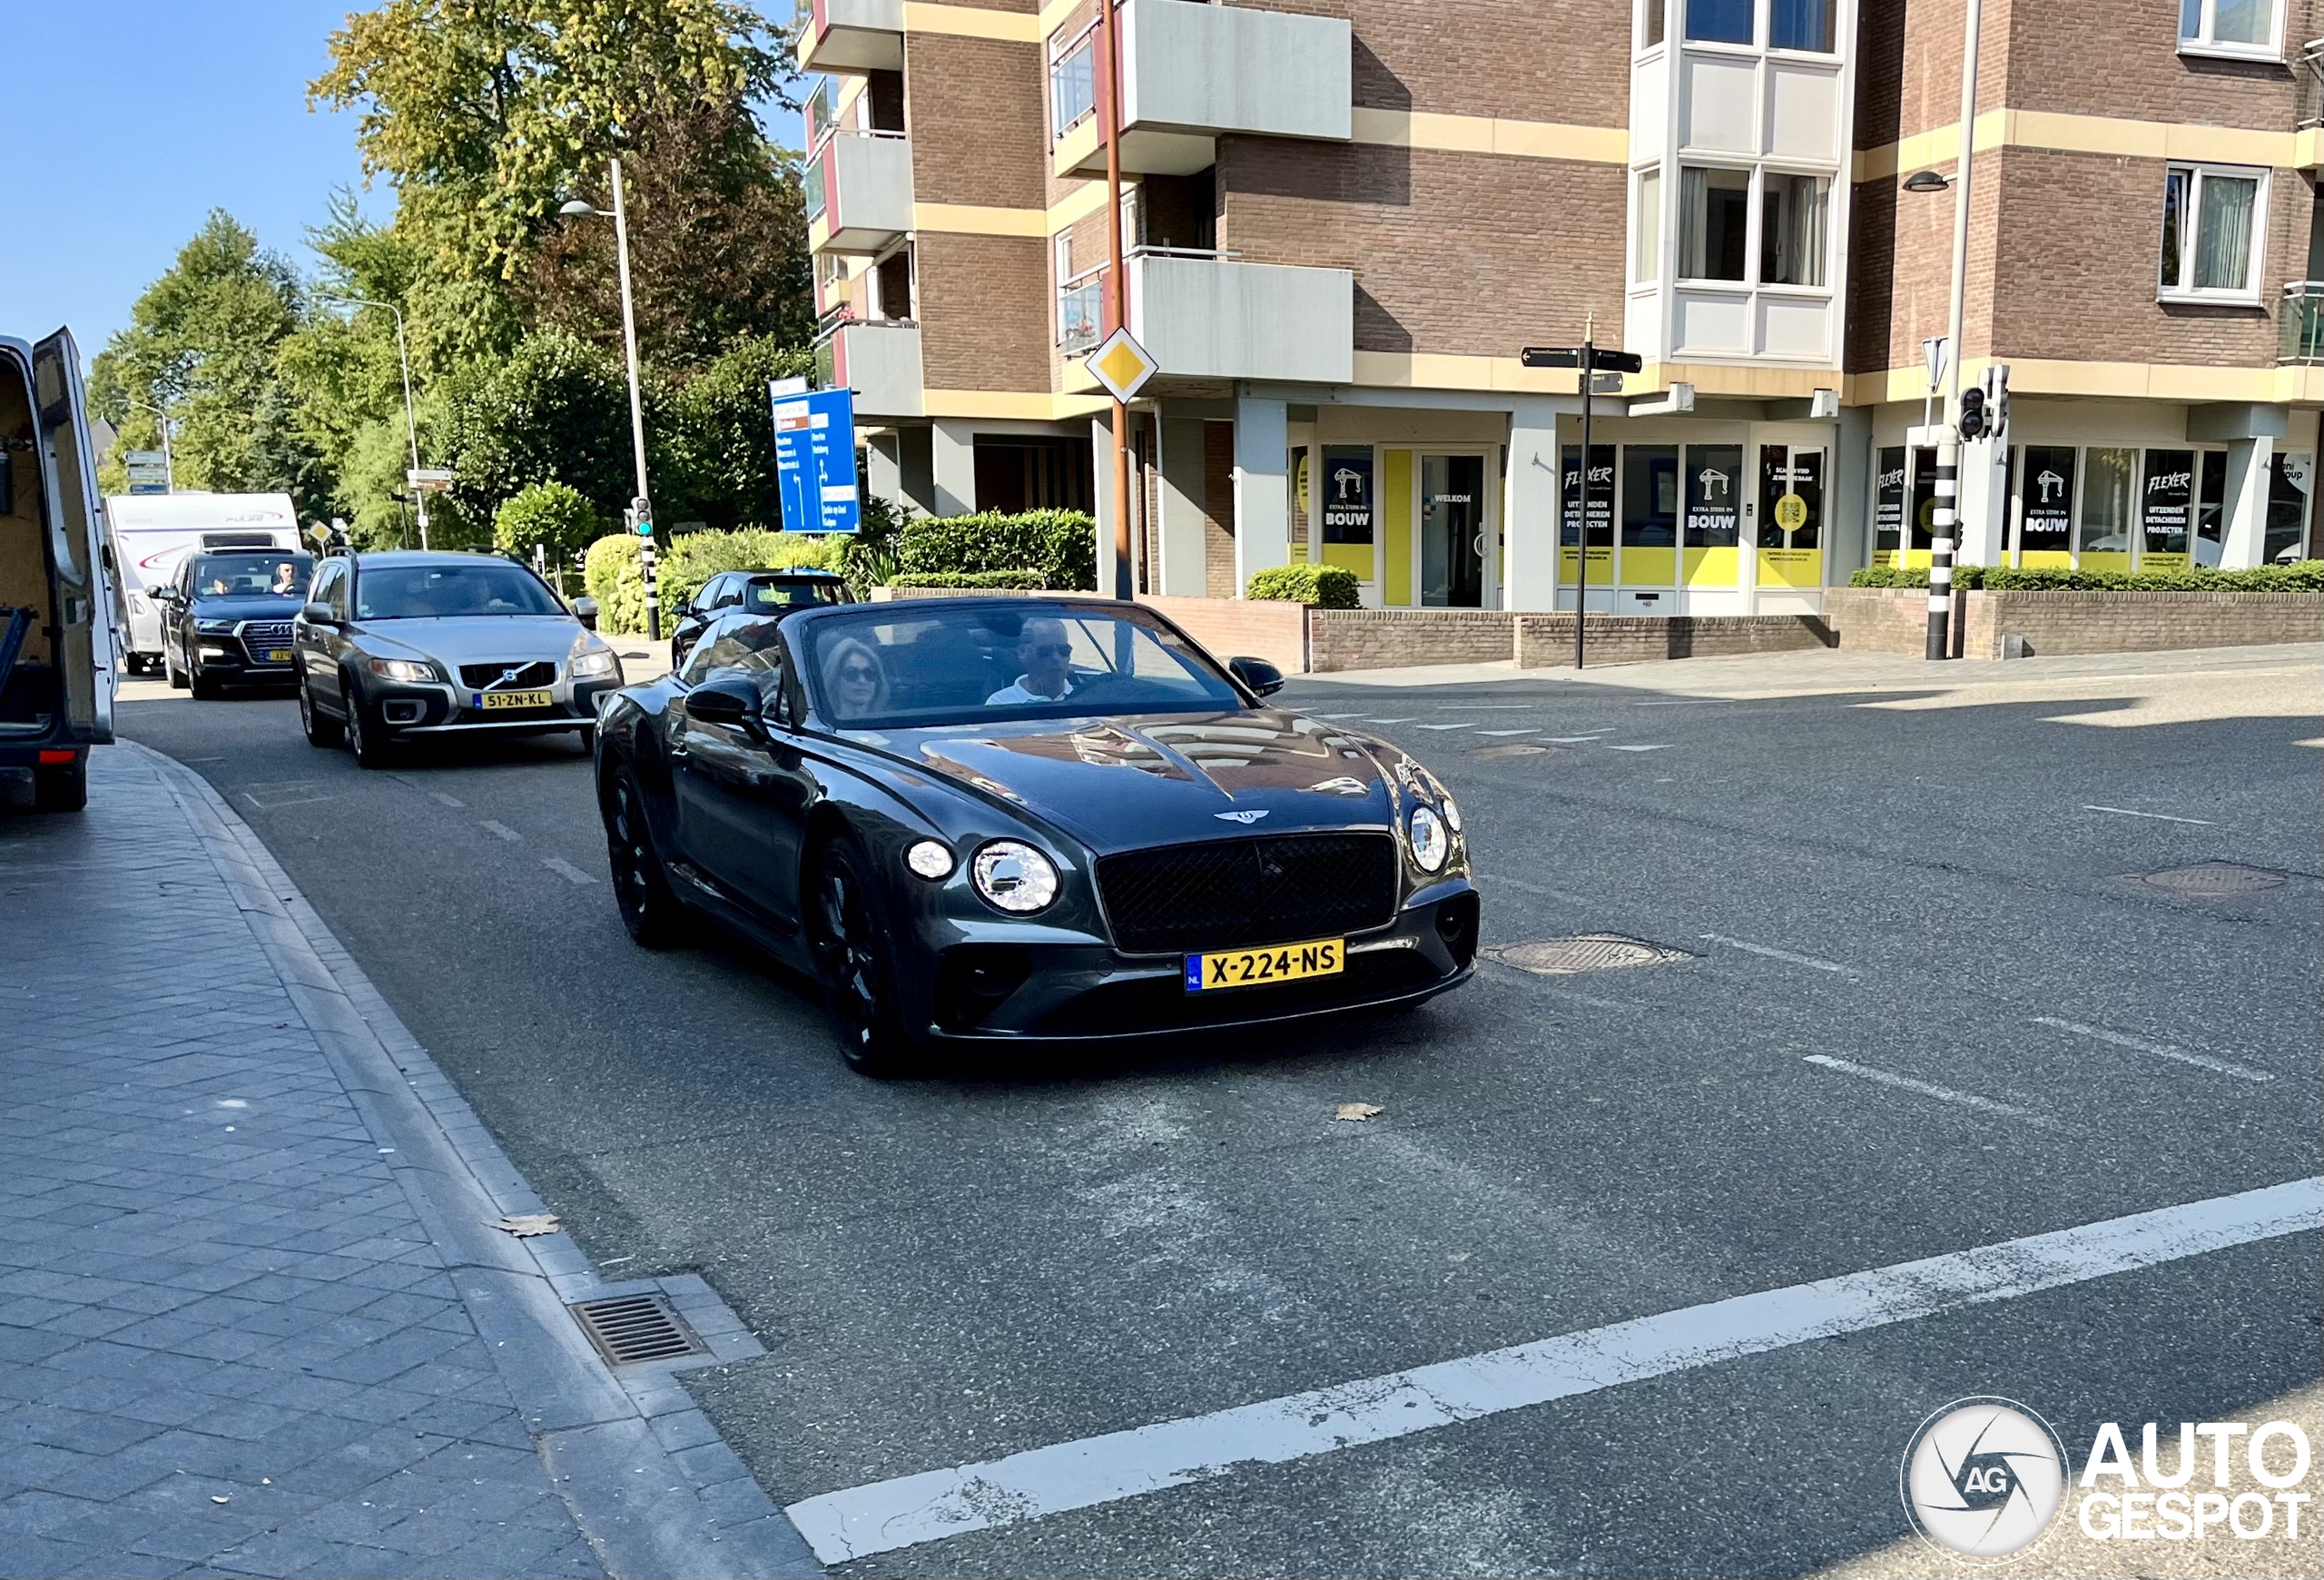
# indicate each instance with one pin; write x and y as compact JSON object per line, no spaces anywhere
{"x":226,"y":617}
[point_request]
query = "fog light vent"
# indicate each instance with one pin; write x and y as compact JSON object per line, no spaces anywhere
{"x":630,"y":1328}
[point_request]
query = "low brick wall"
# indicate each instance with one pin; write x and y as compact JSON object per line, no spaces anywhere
{"x":1241,"y":628}
{"x":1546,"y":641}
{"x":1397,"y":639}
{"x":2057,"y":624}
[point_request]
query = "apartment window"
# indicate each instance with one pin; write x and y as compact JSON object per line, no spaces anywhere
{"x":1792,"y":222}
{"x":1073,"y":83}
{"x":1646,"y":264}
{"x":1800,"y":25}
{"x":1714,"y":220}
{"x":2239,"y":27}
{"x":1650,"y":21}
{"x":2210,"y":232}
{"x":1720,"y":21}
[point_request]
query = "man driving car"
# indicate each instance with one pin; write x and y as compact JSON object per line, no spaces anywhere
{"x":1046,"y":657}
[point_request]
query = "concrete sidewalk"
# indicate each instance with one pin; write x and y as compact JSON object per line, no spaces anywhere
{"x":252,"y":1320}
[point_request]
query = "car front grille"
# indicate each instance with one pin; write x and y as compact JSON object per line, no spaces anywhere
{"x":488,"y":676}
{"x":1237,"y":893}
{"x":262,"y":637}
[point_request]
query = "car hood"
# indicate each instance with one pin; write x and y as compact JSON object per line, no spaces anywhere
{"x":258,"y":606}
{"x":477,"y":639}
{"x":1124,"y":783}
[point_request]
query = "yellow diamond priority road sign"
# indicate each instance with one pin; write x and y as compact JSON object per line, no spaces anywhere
{"x":1122,"y":365}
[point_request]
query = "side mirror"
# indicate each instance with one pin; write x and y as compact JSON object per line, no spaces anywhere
{"x":1260,"y":675}
{"x":318,"y":615}
{"x":728,"y":699}
{"x":584,"y":610}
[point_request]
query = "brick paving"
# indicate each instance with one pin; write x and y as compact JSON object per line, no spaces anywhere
{"x":228,"y":1344}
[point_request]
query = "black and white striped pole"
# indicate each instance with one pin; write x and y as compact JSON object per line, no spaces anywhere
{"x":1942,"y":530}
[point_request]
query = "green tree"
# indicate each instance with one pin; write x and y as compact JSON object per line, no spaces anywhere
{"x":711,"y":440}
{"x":487,"y":114}
{"x":552,"y":516}
{"x":556,"y":411}
{"x":202,"y":343}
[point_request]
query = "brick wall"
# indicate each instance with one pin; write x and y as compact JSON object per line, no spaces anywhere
{"x":1545,"y":641}
{"x":1887,"y":621}
{"x":983,"y":303}
{"x":1449,"y":250}
{"x":975,"y":108}
{"x":1548,"y":60}
{"x":2121,"y":58}
{"x":1218,"y":510}
{"x":1398,"y":638}
{"x":1240,"y":627}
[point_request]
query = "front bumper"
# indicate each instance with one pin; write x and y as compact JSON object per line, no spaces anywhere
{"x":1068,"y":991}
{"x":405,"y":708}
{"x":225,"y":658}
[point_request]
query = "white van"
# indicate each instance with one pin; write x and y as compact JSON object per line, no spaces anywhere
{"x":152,"y":533}
{"x":56,"y":668}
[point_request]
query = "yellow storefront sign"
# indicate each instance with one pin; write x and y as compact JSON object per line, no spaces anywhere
{"x":1800,"y":567}
{"x":1648,"y":567}
{"x":1714,"y":567}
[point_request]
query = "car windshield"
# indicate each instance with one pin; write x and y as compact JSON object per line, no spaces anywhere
{"x":240,"y":576}
{"x":426,"y":592}
{"x":771,"y":597}
{"x":1005,"y":659}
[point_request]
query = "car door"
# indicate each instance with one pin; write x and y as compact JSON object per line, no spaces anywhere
{"x":82,"y":644}
{"x":319,"y":644}
{"x":742,"y":793}
{"x":694,"y":617}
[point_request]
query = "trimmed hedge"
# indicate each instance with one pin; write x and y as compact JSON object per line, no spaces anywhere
{"x":1323,"y":587}
{"x":1061,"y":546}
{"x":1019,"y":580}
{"x":2301,"y":576}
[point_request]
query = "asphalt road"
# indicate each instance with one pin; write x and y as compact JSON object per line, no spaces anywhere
{"x":1927,"y":1004}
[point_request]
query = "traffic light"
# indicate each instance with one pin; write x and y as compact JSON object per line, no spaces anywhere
{"x":1973,"y":414}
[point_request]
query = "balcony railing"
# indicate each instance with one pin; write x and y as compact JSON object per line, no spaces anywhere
{"x":1081,"y":311}
{"x":2310,"y":73}
{"x":1073,"y":82}
{"x":2300,"y":322}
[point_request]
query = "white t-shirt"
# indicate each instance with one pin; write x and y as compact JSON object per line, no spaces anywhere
{"x":1019,"y":691}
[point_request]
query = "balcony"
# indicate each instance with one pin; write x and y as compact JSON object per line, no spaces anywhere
{"x":1205,"y":316}
{"x":858,"y":191}
{"x":852,"y":35}
{"x":1081,"y":311}
{"x":1191,"y":72}
{"x":879,"y":361}
{"x":2300,"y":322}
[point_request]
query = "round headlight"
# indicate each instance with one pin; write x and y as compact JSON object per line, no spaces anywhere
{"x":1451,"y":812}
{"x":1431,"y":844}
{"x":929,"y":859}
{"x":1015,"y":876}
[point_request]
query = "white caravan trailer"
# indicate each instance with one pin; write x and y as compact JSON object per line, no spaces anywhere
{"x":152,"y":533}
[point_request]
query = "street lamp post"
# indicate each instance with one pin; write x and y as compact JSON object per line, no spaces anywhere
{"x":410,"y":423}
{"x":161,"y":420}
{"x":619,"y":214}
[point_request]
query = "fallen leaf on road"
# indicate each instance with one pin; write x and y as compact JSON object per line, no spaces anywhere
{"x":1357,"y":1111}
{"x":525,"y":1224}
{"x":215,"y":1499}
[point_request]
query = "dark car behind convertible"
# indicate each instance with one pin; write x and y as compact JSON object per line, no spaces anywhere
{"x":1028,"y":820}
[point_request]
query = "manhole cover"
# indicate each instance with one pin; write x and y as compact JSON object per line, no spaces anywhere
{"x":629,"y":1328}
{"x":2212,"y":878}
{"x":1512,"y":749}
{"x":1584,"y":952}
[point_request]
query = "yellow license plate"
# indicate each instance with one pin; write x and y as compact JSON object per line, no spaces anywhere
{"x":1236,"y":968}
{"x":278,"y":654}
{"x":489,"y":700}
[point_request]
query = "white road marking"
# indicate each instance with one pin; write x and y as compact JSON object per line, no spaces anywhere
{"x":1465,"y":723}
{"x":2159,"y":1050}
{"x":885,"y":1517}
{"x":451,"y":801}
{"x":1577,"y":740}
{"x":1930,"y":1089}
{"x":1406,"y":719}
{"x":566,"y":869}
{"x":500,"y":829}
{"x":1612,"y":748}
{"x":1535,"y":731}
{"x":1334,"y":715}
{"x":1774,"y":953}
{"x":2158,"y":816}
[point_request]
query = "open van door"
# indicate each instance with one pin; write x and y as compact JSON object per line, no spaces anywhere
{"x":76,"y":538}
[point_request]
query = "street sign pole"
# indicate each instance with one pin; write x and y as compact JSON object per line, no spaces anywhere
{"x":1582,"y":527}
{"x":1117,"y":288}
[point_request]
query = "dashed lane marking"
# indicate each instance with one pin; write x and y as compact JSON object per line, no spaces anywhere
{"x":566,"y":870}
{"x":1465,"y":723}
{"x":500,"y":830}
{"x":1612,"y":748}
{"x":1535,"y":731}
{"x":885,"y":1517}
{"x":1930,"y":1089}
{"x":2159,"y":1050}
{"x":1406,"y":719}
{"x":1774,"y":953}
{"x":2158,"y":816}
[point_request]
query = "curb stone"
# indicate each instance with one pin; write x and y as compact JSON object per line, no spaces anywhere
{"x":653,"y":1486}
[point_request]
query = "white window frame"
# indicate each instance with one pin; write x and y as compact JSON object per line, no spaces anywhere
{"x":2190,"y":228}
{"x":2202,"y":42}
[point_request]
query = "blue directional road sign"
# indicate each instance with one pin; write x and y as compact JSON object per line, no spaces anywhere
{"x":815,"y":460}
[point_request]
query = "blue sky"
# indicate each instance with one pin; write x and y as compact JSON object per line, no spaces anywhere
{"x":122,"y":123}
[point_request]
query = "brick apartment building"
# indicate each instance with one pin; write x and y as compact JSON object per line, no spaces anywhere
{"x":1345,"y":217}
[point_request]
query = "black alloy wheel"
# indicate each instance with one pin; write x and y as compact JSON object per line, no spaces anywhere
{"x":851,"y":957}
{"x":365,"y":736}
{"x":649,"y":910}
{"x":321,"y":730}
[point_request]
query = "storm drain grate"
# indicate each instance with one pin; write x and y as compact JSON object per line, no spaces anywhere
{"x":2213,"y":878}
{"x":1583,"y":951}
{"x":629,"y":1328}
{"x":1508,"y":749}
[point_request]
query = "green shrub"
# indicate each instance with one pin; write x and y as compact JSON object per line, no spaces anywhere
{"x":694,"y":557}
{"x":2301,"y":576}
{"x":1062,"y":544}
{"x":553,"y":515}
{"x":1021,"y":580}
{"x":1324,"y":587}
{"x":612,"y":562}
